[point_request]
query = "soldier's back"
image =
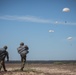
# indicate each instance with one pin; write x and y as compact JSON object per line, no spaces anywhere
{"x":2,"y":53}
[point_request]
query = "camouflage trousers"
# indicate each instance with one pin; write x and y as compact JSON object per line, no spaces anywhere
{"x":23,"y":60}
{"x":2,"y":64}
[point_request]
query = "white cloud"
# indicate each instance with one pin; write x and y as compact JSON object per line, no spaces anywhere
{"x":69,"y":38}
{"x":51,"y":31}
{"x":66,"y":10}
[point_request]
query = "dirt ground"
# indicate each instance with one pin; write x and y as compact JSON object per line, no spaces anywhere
{"x":40,"y":69}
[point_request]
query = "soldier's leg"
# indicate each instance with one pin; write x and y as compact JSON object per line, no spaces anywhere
{"x":1,"y":65}
{"x":25,"y":58}
{"x":4,"y":65}
{"x":23,"y":62}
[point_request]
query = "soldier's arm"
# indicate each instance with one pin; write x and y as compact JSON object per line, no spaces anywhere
{"x":7,"y":56}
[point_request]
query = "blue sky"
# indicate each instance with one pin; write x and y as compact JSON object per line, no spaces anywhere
{"x":49,"y":31}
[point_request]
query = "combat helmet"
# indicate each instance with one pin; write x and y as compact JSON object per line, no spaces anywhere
{"x":21,"y":43}
{"x":5,"y":47}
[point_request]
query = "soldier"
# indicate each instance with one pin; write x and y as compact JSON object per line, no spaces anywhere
{"x":3,"y":55}
{"x":23,"y":51}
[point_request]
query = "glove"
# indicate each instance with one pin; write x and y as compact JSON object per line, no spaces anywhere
{"x":7,"y":59}
{"x":27,"y":51}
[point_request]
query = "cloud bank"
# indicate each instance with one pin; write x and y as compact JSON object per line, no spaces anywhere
{"x":25,"y":18}
{"x":34,"y":19}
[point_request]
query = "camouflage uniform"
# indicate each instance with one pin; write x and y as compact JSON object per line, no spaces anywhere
{"x":23,"y":50}
{"x":3,"y":55}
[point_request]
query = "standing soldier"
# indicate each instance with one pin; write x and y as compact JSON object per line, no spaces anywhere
{"x":3,"y":55}
{"x":23,"y":51}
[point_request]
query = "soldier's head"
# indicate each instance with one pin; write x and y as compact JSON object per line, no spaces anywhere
{"x":21,"y":44}
{"x":5,"y":47}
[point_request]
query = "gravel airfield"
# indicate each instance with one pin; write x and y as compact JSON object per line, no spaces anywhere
{"x":40,"y":69}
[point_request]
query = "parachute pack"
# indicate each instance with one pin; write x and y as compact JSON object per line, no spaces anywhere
{"x":23,"y":50}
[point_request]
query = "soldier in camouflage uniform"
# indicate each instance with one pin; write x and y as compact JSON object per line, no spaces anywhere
{"x":3,"y":55}
{"x":23,"y":51}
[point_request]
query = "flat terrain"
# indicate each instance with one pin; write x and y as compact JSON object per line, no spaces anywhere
{"x":41,"y":69}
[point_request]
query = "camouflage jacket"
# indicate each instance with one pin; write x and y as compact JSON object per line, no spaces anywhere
{"x":3,"y":54}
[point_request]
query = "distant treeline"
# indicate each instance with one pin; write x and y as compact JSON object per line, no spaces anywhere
{"x":45,"y":61}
